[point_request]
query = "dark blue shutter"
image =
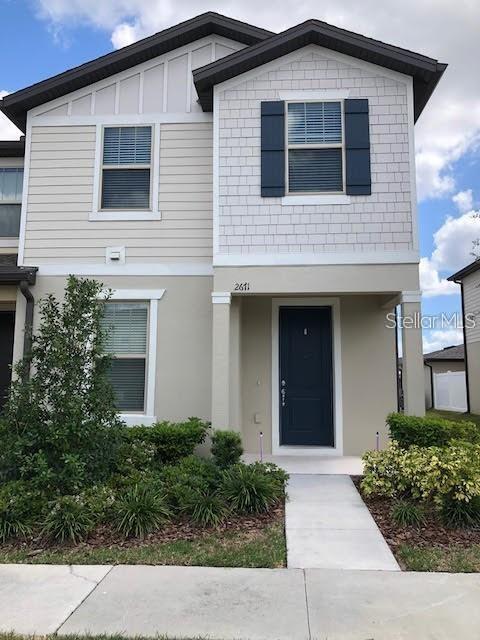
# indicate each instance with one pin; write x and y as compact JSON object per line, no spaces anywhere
{"x":273,"y":149}
{"x":357,"y":148}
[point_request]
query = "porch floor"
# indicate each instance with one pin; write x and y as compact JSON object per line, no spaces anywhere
{"x":316,"y":465}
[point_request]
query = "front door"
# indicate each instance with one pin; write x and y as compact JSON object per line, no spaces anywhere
{"x":306,"y":377}
{"x":7,"y":325}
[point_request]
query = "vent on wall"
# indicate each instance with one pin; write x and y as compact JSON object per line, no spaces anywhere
{"x":115,"y":255}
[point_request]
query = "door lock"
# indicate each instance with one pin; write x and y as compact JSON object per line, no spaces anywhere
{"x":283,"y":392}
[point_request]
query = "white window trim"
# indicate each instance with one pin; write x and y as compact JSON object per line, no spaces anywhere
{"x":153,"y":213}
{"x":152,"y":296}
{"x":318,"y":196}
{"x":12,"y":241}
{"x":337,"y":449}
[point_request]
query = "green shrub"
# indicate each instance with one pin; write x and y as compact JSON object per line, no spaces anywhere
{"x":246,"y":489}
{"x":20,"y":508}
{"x":141,"y":510}
{"x":205,"y":509}
{"x":99,"y":500}
{"x":69,"y":519}
{"x":60,"y":428}
{"x":458,"y":514}
{"x":135,"y":454}
{"x":430,"y":431}
{"x":424,"y":473}
{"x":276,"y":474}
{"x":226,"y":448}
{"x":190,"y":475}
{"x":171,"y":441}
{"x":407,"y":514}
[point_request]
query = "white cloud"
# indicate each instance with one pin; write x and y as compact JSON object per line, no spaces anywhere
{"x":464,"y":200}
{"x":439,"y":339}
{"x":448,"y":128}
{"x":8,"y":131}
{"x":431,"y":283}
{"x":453,"y":249}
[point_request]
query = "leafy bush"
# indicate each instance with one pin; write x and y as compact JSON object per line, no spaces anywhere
{"x":246,"y":489}
{"x":191,"y":475}
{"x":171,"y":441}
{"x":20,"y":507}
{"x":226,"y":448}
{"x":430,"y":431}
{"x":68,"y":520}
{"x":458,"y":514}
{"x":135,"y":454}
{"x":60,"y":428}
{"x":206,"y":509}
{"x":407,"y":514}
{"x":425,"y":473}
{"x":139,"y":511}
{"x":276,"y":474}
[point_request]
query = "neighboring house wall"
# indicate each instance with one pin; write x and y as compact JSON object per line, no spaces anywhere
{"x":471,"y":299}
{"x":382,"y":222}
{"x":439,"y":367}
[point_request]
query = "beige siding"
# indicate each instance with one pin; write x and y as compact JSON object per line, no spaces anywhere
{"x":60,"y":199}
{"x":471,"y":296}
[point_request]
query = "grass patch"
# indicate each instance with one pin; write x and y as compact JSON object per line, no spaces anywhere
{"x":15,"y":636}
{"x":264,"y":549}
{"x":448,"y":559}
{"x":453,"y":415}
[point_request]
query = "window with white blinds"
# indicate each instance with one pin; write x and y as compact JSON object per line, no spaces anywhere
{"x":315,"y":147}
{"x":126,"y":168}
{"x":126,"y":326}
{"x":11,"y":186}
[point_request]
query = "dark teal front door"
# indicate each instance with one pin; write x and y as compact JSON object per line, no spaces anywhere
{"x":7,"y":325}
{"x":306,"y":377}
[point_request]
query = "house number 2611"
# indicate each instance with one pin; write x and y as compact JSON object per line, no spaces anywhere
{"x":241,"y":286}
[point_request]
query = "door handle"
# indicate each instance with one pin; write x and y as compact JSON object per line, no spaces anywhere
{"x":283,"y":392}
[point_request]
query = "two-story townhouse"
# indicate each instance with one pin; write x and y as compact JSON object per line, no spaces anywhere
{"x":469,"y":280}
{"x":250,"y":198}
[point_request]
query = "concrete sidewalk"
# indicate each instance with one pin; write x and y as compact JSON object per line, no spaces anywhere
{"x":239,"y":604}
{"x":328,"y":526}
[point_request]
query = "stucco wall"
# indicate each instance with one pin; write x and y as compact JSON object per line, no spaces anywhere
{"x":368,"y":372}
{"x":184,"y":349}
{"x":249,"y":223}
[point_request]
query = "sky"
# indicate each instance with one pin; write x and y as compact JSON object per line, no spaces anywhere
{"x":43,"y":37}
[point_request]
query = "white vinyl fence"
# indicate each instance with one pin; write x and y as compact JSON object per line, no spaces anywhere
{"x":450,"y":391}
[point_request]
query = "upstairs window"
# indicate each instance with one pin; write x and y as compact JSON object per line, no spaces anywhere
{"x":126,"y":168}
{"x":11,"y":185}
{"x":126,"y":325}
{"x":315,"y":147}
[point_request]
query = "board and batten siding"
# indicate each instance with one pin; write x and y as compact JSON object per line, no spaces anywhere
{"x":60,"y":200}
{"x":471,"y":297}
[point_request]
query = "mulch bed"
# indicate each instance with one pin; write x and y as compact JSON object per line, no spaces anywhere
{"x":432,"y":534}
{"x":181,"y":529}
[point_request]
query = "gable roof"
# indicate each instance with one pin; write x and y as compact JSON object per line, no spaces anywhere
{"x":426,"y":72}
{"x":15,"y":105}
{"x":466,"y":271}
{"x":455,"y":352}
{"x":12,"y":148}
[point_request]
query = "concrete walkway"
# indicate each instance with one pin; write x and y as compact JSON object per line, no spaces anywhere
{"x":328,"y":526}
{"x":239,"y":604}
{"x":331,"y":465}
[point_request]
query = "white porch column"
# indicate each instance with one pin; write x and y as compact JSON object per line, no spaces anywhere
{"x":221,"y":360}
{"x":413,"y":374}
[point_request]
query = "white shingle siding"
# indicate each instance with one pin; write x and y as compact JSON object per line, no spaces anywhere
{"x":380,"y":222}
